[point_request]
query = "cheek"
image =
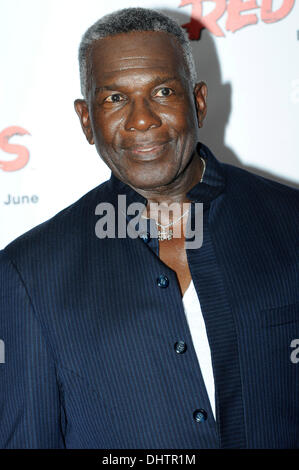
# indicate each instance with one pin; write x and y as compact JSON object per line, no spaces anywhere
{"x":183,"y":130}
{"x":181,"y":118}
{"x":104,"y":126}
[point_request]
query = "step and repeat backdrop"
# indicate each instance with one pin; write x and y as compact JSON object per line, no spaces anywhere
{"x":247,"y":51}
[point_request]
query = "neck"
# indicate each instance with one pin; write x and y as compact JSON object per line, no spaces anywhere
{"x":169,"y":206}
{"x":176,"y":191}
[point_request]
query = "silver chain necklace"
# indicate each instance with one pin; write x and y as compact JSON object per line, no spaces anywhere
{"x":168,"y":235}
{"x":164,"y":234}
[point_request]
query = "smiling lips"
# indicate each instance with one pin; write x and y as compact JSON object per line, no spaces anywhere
{"x":147,"y":151}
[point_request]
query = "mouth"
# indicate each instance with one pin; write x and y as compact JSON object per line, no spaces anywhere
{"x":147,"y":152}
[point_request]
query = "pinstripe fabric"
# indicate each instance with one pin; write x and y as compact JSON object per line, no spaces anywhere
{"x":89,"y":336}
{"x":223,"y":338}
{"x":29,"y":406}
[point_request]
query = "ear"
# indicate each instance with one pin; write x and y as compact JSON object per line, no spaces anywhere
{"x":81,"y":109}
{"x":200,"y":95}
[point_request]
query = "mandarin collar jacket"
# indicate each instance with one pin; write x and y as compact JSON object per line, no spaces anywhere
{"x":89,"y":333}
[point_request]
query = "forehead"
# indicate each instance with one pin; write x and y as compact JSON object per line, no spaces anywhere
{"x":137,"y":50}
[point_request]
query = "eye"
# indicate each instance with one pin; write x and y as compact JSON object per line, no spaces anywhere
{"x":164,"y":92}
{"x":115,"y":98}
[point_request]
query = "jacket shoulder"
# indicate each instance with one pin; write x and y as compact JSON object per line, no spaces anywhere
{"x":60,"y":231}
{"x":255,"y":188}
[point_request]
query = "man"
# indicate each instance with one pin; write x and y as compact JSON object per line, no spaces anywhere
{"x":141,"y":342}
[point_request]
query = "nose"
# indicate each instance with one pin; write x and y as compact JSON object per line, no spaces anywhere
{"x":141,"y":116}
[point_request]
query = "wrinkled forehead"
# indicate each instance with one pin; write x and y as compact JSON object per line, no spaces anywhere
{"x":137,"y":50}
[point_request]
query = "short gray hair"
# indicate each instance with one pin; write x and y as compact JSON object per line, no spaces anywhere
{"x":125,"y":21}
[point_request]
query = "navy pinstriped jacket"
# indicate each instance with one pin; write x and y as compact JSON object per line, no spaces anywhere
{"x":89,"y":335}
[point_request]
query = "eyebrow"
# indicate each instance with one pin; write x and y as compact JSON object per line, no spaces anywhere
{"x":115,"y":86}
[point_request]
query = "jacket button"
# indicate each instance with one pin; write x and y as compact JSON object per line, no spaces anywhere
{"x":145,"y":237}
{"x":163,"y":281}
{"x":180,"y":347}
{"x":200,"y":415}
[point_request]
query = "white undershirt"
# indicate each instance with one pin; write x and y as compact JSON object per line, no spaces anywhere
{"x":200,"y":340}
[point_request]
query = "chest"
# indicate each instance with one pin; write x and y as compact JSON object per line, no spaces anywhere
{"x":173,"y":254}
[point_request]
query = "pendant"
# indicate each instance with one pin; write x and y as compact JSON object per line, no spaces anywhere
{"x":163,"y":235}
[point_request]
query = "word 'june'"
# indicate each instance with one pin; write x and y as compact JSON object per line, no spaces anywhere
{"x":125,"y":221}
{"x":236,"y":15}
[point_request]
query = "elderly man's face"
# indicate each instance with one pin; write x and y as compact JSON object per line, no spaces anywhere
{"x":141,"y":113}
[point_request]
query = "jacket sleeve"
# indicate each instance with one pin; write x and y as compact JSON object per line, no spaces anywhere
{"x":31,"y":415}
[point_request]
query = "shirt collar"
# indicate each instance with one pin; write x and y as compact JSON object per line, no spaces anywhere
{"x":212,"y":185}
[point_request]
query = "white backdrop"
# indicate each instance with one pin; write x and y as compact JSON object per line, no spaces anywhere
{"x":252,"y":73}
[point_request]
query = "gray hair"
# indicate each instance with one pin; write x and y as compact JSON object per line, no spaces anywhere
{"x":125,"y":21}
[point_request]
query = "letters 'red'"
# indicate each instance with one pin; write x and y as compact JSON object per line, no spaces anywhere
{"x":236,"y":17}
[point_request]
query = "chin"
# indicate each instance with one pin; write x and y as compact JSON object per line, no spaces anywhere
{"x":148,"y":185}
